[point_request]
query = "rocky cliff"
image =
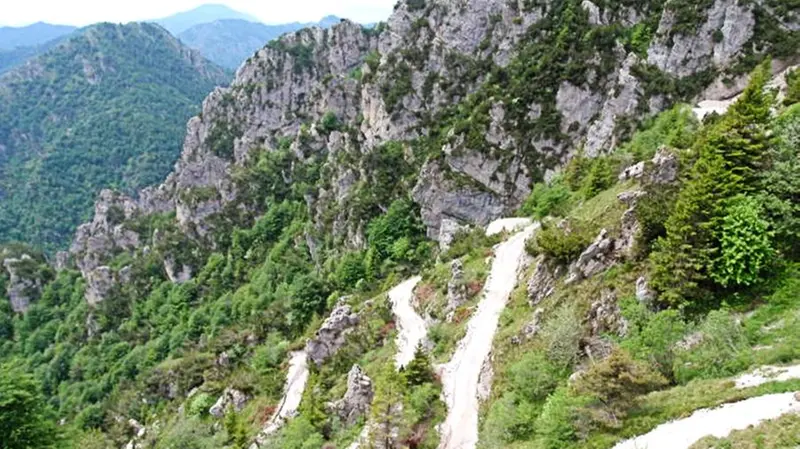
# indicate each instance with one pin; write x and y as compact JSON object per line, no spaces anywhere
{"x":463,"y":103}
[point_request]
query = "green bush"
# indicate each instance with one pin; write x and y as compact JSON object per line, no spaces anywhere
{"x":562,"y":243}
{"x":614,"y":384}
{"x":653,"y":336}
{"x":551,"y":199}
{"x":723,"y":351}
{"x":25,"y":420}
{"x":534,"y":377}
{"x":562,"y":335}
{"x":745,"y":244}
{"x":561,"y":422}
{"x":200,"y":404}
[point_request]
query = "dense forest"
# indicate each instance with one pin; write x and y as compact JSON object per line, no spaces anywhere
{"x":106,"y":108}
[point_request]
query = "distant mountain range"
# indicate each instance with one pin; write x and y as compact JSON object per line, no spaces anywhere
{"x":34,"y":35}
{"x":230,"y":42}
{"x":178,"y":23}
{"x":223,"y":35}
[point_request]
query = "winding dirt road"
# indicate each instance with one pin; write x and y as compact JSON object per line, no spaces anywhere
{"x":296,"y":380}
{"x":460,"y":377}
{"x":411,"y":327}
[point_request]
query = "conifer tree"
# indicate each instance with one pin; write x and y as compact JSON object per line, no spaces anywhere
{"x":387,"y":409}
{"x":419,"y":371}
{"x":730,"y":156}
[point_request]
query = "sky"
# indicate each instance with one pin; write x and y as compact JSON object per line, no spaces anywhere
{"x":85,"y":12}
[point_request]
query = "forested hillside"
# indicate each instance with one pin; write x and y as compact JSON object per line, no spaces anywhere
{"x":106,"y":108}
{"x":485,"y":224}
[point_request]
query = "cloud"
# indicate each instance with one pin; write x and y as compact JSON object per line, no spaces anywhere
{"x":85,"y":12}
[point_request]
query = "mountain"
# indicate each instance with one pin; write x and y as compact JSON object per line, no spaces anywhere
{"x":31,"y":35}
{"x":228,"y":43}
{"x":13,"y":58}
{"x":105,"y":108}
{"x":488,"y":224}
{"x":178,"y":23}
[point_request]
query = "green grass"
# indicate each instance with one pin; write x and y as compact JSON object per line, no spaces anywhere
{"x":781,"y":433}
{"x":680,"y":402}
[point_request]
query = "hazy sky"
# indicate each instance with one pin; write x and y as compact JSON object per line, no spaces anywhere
{"x":85,"y":12}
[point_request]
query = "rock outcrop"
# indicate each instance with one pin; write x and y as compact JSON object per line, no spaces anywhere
{"x":595,"y":259}
{"x":332,"y":335}
{"x":357,"y":399}
{"x":24,"y":284}
{"x":456,"y":289}
{"x":729,"y":22}
{"x":231,"y":399}
{"x":542,"y":283}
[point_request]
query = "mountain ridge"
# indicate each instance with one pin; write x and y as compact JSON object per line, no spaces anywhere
{"x":207,"y":13}
{"x":39,"y":139}
{"x":229,"y":42}
{"x":31,"y":35}
{"x":341,"y":161}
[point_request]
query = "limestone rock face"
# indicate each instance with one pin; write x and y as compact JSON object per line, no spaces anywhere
{"x":332,"y":335}
{"x":442,"y":198}
{"x":622,"y":101}
{"x":231,"y":399}
{"x":357,"y":399}
{"x":24,"y":285}
{"x":393,"y":84}
{"x":686,"y":54}
{"x":175,"y":274}
{"x":100,"y":282}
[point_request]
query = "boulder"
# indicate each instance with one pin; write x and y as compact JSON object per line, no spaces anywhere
{"x":357,"y":399}
{"x":230,"y":399}
{"x":633,"y":172}
{"x":448,"y":231}
{"x":456,"y":289}
{"x":531,"y":329}
{"x":643,"y":292}
{"x":332,"y":335}
{"x":664,"y":169}
{"x":595,"y":259}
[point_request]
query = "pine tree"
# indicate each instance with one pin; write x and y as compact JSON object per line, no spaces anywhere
{"x":420,"y":370}
{"x":731,"y":154}
{"x":387,"y":409}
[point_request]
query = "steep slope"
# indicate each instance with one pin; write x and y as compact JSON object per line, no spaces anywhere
{"x":230,"y":42}
{"x":31,"y":35}
{"x":324,"y":175}
{"x":180,"y":22}
{"x":105,"y":108}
